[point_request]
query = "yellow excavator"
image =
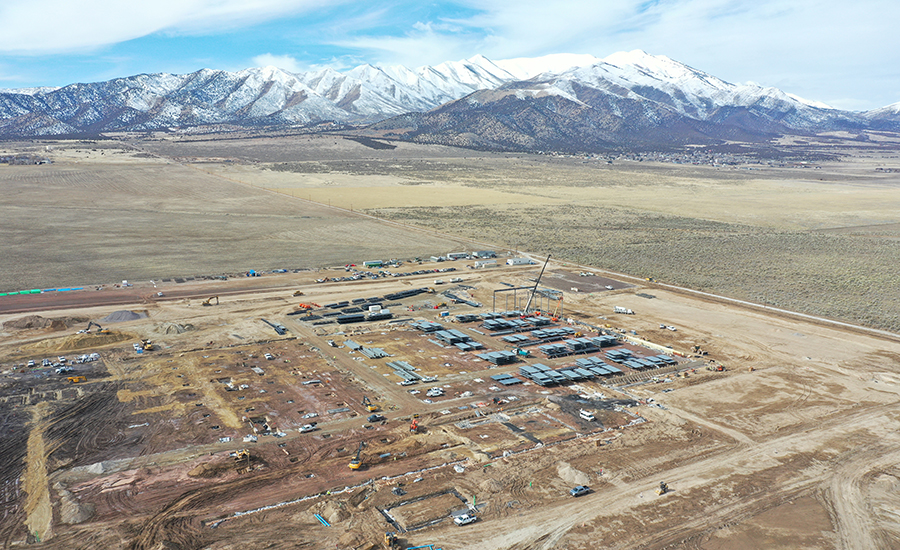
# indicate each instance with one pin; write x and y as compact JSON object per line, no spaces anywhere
{"x":355,"y":463}
{"x":209,"y":300}
{"x":371,"y":407}
{"x":146,"y":345}
{"x":100,"y":330}
{"x":663,"y":488}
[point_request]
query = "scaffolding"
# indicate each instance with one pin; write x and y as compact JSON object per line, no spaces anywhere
{"x":546,"y":300}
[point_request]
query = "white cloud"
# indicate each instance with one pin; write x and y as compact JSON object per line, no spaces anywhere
{"x":817,"y":49}
{"x":285,"y":62}
{"x":62,"y":26}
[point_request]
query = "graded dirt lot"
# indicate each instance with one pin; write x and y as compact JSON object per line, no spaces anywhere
{"x":799,"y":452}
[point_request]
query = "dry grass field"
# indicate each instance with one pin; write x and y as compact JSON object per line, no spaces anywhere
{"x":93,"y":218}
{"x":820,"y":238}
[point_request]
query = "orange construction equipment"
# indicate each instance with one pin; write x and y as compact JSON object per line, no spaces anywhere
{"x":355,"y":463}
{"x":77,"y":379}
{"x":414,"y":425}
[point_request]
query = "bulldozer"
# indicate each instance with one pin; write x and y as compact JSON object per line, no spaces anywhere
{"x":356,"y":462}
{"x":209,"y":300}
{"x":76,"y":379}
{"x":663,"y":488}
{"x":371,"y":407}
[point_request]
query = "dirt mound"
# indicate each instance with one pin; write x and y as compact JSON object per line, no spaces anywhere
{"x":211,"y":469}
{"x":123,"y":315}
{"x":174,"y":328}
{"x":71,"y":511}
{"x":571,"y":475}
{"x":490,"y":486}
{"x":78,"y":342}
{"x":334,"y":512}
{"x":36,"y":321}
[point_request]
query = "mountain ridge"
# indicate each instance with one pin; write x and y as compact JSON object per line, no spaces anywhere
{"x":627,"y":98}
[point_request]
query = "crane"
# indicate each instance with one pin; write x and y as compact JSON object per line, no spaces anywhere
{"x":536,"y":283}
{"x":355,"y":463}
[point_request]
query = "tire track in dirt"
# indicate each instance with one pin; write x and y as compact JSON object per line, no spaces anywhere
{"x":853,"y":515}
{"x":550,"y":523}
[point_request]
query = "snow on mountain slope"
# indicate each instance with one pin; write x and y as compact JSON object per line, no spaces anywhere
{"x":523,"y":68}
{"x":268,"y":95}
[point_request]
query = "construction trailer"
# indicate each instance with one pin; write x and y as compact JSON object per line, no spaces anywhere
{"x":519,"y":261}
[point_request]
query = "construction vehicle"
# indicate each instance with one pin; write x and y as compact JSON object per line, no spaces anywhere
{"x":414,"y":426}
{"x":356,"y":462}
{"x":76,"y":379}
{"x":697,"y":350}
{"x":521,"y":352}
{"x":298,"y":293}
{"x":146,"y":345}
{"x":371,"y":407}
{"x":663,"y":488}
{"x":100,"y":330}
{"x":390,"y":541}
{"x":209,"y":300}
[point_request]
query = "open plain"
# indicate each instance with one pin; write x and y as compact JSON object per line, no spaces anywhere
{"x":198,"y":442}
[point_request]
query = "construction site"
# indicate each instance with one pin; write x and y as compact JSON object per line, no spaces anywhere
{"x":532,"y":405}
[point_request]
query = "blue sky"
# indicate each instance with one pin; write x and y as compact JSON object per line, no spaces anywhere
{"x":846,"y":54}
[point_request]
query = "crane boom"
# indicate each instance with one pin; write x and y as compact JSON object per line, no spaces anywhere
{"x":536,"y":283}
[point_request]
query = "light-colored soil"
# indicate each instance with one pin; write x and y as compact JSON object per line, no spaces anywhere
{"x":798,"y":453}
{"x":794,"y":445}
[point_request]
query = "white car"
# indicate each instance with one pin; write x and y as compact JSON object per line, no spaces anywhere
{"x":269,"y":356}
{"x":465,"y":519}
{"x":306,"y":428}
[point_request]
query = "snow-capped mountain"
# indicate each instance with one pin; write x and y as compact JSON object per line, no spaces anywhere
{"x":627,"y":97}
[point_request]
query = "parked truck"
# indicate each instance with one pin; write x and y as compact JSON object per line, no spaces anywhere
{"x":624,"y":310}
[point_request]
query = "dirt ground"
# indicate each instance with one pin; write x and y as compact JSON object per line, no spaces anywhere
{"x":793,"y":445}
{"x":800,"y":452}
